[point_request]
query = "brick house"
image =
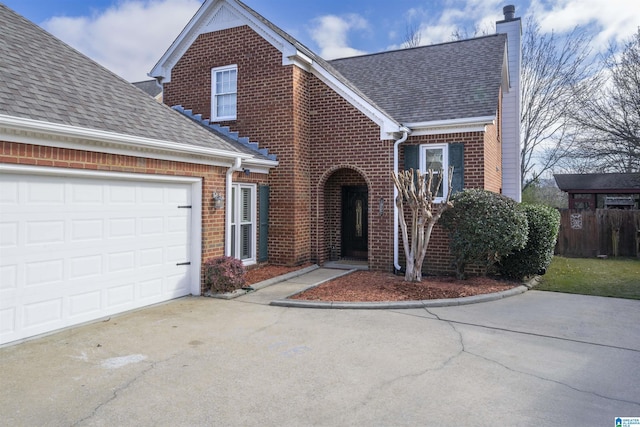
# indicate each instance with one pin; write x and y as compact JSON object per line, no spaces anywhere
{"x":109,"y":200}
{"x":338,"y":128}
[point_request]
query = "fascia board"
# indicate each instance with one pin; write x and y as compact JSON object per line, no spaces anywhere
{"x":291,"y":55}
{"x":28,"y":131}
{"x":470,"y":124}
{"x":200,"y":22}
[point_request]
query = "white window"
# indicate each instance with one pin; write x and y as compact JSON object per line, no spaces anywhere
{"x":436,"y":157}
{"x":224,"y":90}
{"x":243,"y":222}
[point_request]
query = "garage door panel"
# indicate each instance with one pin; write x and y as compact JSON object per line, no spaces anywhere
{"x":7,"y":321}
{"x":85,"y":304}
{"x":39,"y":314}
{"x":91,"y":229}
{"x":43,"y":272}
{"x":78,"y":249}
{"x":43,"y":193}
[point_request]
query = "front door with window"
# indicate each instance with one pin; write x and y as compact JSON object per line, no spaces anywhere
{"x":354,"y":222}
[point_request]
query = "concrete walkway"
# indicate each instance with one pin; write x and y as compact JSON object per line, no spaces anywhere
{"x":534,"y":359}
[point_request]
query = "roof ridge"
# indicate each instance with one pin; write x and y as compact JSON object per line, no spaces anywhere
{"x":224,"y":131}
{"x":346,"y":58}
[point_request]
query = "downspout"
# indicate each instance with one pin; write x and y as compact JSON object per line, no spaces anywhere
{"x":405,"y":135}
{"x":229,"y":182}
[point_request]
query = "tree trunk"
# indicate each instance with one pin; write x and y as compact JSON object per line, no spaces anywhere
{"x":424,"y":214}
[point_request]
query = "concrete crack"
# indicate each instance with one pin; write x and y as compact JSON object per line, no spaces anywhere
{"x":464,"y":350}
{"x":120,"y":389}
{"x":553,"y":381}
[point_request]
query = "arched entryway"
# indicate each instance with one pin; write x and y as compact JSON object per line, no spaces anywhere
{"x":345,"y":203}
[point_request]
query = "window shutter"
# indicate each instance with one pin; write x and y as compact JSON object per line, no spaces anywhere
{"x":263,"y":220}
{"x":411,"y":157}
{"x":456,"y":159}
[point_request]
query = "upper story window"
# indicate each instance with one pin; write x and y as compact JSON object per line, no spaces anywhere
{"x":436,"y":157}
{"x":224,"y":88}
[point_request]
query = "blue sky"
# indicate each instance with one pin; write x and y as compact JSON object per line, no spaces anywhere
{"x":129,"y":36}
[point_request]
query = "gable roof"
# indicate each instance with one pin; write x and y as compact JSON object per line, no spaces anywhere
{"x":438,"y":82}
{"x":367,"y":93}
{"x":598,"y":181}
{"x":48,"y":85}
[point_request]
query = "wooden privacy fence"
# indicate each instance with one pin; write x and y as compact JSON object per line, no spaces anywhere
{"x":611,"y":232}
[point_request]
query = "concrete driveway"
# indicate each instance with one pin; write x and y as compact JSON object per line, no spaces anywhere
{"x":536,"y":359}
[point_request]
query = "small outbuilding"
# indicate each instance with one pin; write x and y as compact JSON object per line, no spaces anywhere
{"x":601,"y":190}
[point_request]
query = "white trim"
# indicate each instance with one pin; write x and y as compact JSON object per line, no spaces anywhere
{"x":196,"y":202}
{"x":74,"y":132}
{"x":445,"y":165}
{"x":205,"y":21}
{"x":254,"y":226}
{"x":29,"y":131}
{"x":470,"y":124}
{"x":214,"y":93}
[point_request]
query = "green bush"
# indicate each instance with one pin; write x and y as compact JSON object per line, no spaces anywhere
{"x":535,"y":257}
{"x":483,"y":227}
{"x":224,"y":274}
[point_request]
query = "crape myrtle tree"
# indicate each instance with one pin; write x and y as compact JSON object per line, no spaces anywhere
{"x":419,"y":191}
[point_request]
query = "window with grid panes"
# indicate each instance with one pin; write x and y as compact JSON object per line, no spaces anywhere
{"x":224,"y":82}
{"x":243,"y":222}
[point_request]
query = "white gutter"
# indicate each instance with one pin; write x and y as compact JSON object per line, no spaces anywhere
{"x":65,"y":131}
{"x":469,"y":124}
{"x":237,"y":165}
{"x":405,"y":135}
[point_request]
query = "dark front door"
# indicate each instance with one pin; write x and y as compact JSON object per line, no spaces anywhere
{"x":354,"y":222}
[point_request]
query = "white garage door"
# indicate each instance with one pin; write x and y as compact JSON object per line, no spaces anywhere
{"x":75,"y":249}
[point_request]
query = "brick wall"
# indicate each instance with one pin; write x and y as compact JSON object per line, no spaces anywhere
{"x":213,"y":178}
{"x":272,"y":110}
{"x":322,"y":143}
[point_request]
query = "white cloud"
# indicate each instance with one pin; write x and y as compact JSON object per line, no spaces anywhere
{"x":129,"y":37}
{"x":612,"y":20}
{"x":464,"y":16}
{"x":330,"y":33}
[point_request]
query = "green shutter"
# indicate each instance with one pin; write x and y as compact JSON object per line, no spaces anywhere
{"x":411,"y":157}
{"x":456,"y":159}
{"x":264,"y":223}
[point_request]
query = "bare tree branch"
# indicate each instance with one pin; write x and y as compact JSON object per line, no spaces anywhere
{"x":612,"y":113}
{"x":412,"y":36}
{"x":554,"y":70}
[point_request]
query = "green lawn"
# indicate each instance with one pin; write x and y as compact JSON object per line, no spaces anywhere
{"x":612,"y":277}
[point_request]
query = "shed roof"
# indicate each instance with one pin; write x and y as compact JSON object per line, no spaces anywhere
{"x":598,"y":181}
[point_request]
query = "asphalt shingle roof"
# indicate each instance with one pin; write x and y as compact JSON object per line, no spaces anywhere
{"x":151,"y":87}
{"x":598,"y":181}
{"x":42,"y":78}
{"x":453,"y":80}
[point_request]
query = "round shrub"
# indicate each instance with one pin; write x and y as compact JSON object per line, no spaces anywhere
{"x":483,"y":227}
{"x":224,"y":274}
{"x":535,"y":257}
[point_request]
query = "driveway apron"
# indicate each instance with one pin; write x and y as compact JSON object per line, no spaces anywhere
{"x":533,"y":359}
